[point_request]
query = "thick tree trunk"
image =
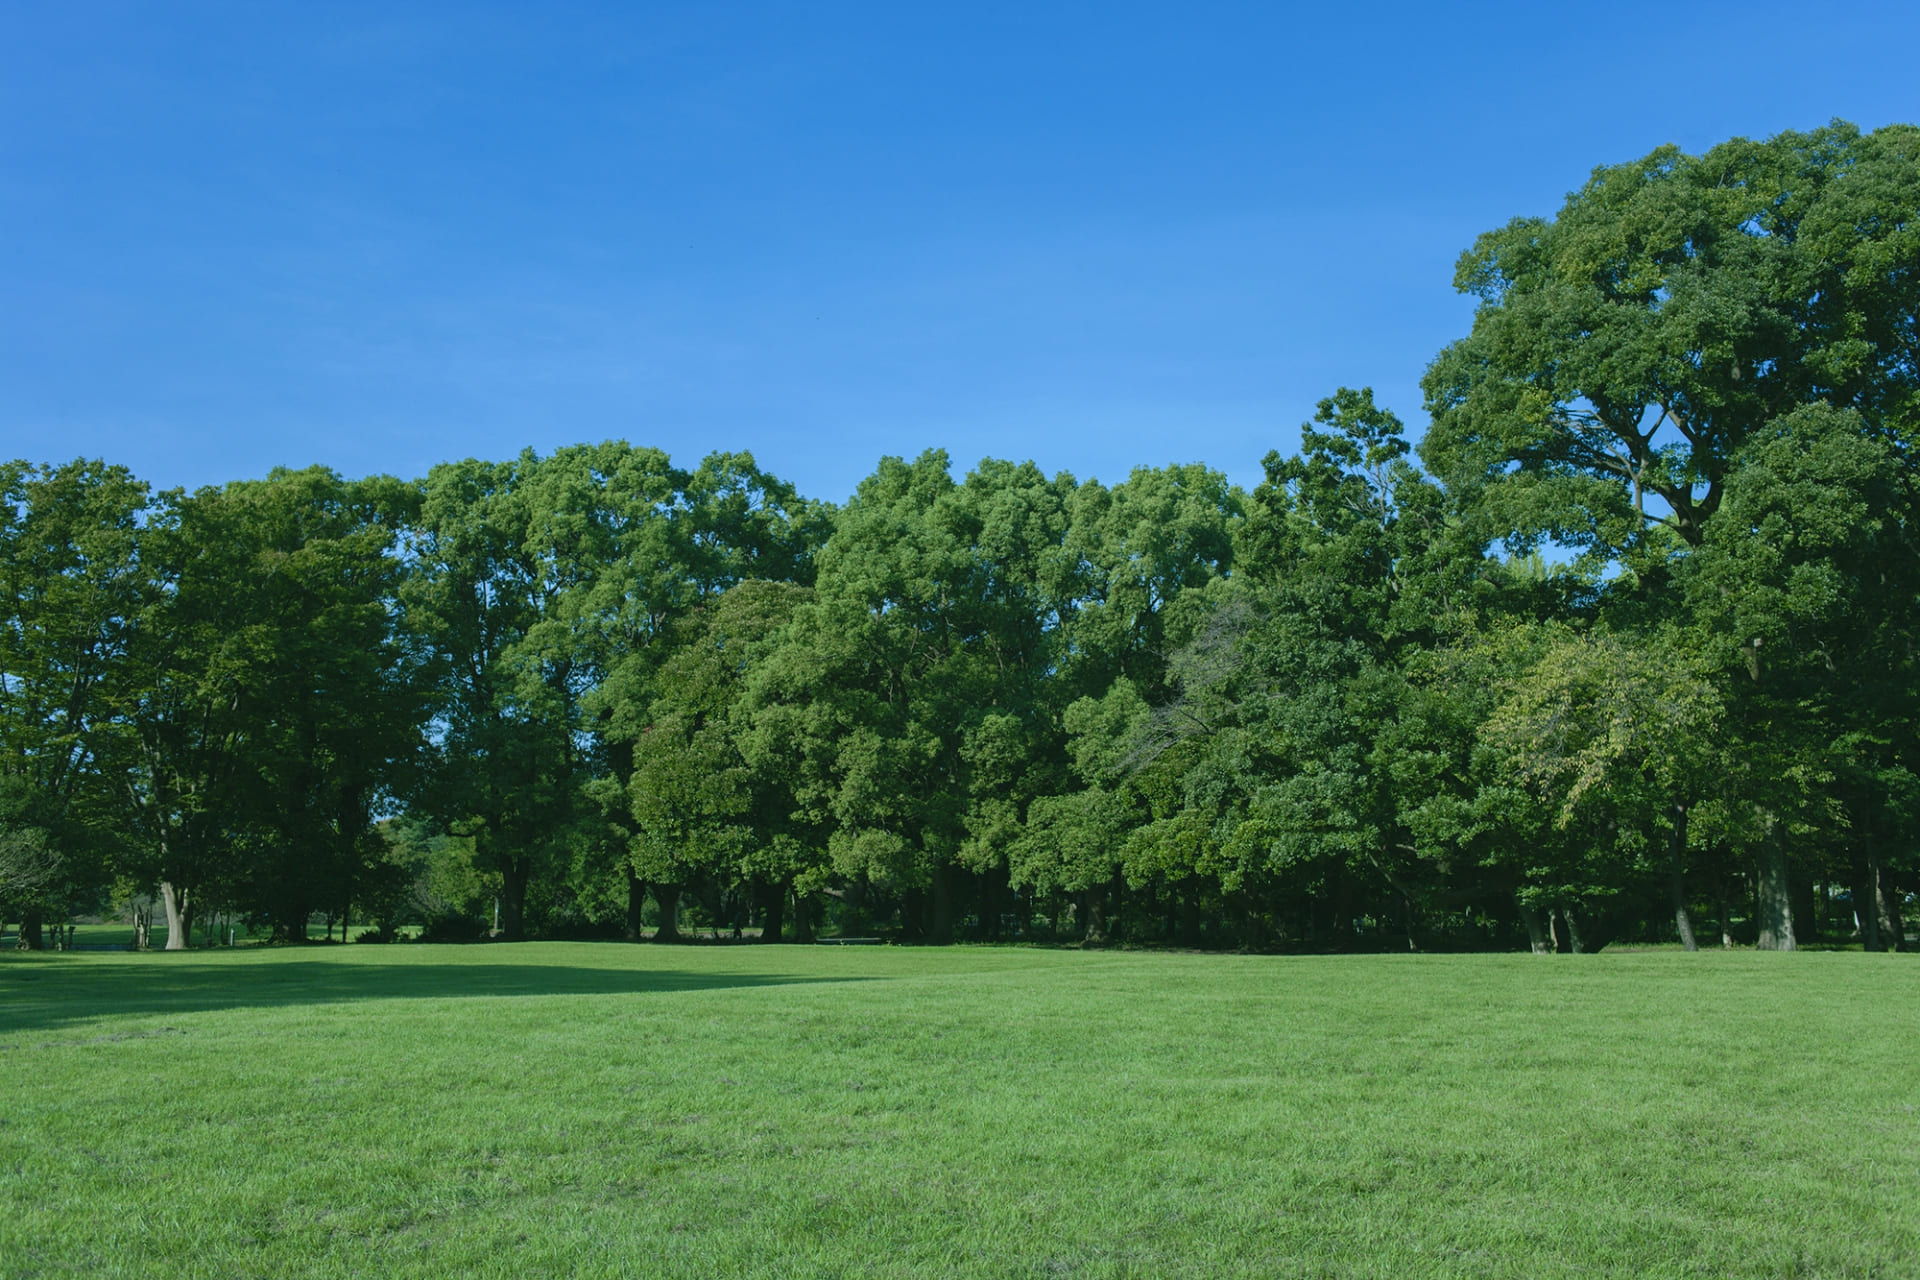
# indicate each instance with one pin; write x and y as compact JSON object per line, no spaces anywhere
{"x":1887,"y":903}
{"x":32,"y":931}
{"x":1539,"y":938}
{"x":1677,"y":848}
{"x":175,"y":904}
{"x":667,"y":896}
{"x":292,"y":925}
{"x":773,"y":913}
{"x":1805,"y":896}
{"x":1773,"y":894}
{"x":1095,"y":913}
{"x":1575,"y":942}
{"x":1876,"y":903}
{"x":635,"y":928}
{"x":940,"y":930}
{"x":1866,"y":914}
{"x":802,"y":917}
{"x":513,"y":900}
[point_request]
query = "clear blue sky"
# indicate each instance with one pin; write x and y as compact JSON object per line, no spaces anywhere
{"x":378,"y":236}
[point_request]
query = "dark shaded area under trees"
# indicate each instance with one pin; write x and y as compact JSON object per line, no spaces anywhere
{"x":593,"y":693}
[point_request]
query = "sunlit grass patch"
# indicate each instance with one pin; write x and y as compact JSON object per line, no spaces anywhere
{"x":612,"y":1110}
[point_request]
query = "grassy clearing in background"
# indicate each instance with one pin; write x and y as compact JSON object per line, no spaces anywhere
{"x":609,"y":1110}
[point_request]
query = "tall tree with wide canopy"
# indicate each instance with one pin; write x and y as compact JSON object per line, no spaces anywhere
{"x":547,"y":591}
{"x":1298,"y":689}
{"x":703,"y":798}
{"x":74,"y":587}
{"x":339,"y":702}
{"x":268,"y":704}
{"x":1631,"y":356}
{"x":1625,"y":350}
{"x":504,"y":764}
{"x":1807,"y":596}
{"x":908,"y":703}
{"x":671,"y":544}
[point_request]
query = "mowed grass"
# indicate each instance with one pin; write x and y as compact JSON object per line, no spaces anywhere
{"x":609,"y":1110}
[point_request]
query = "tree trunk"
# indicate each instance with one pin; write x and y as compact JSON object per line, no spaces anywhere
{"x":1888,"y":902}
{"x":32,"y":934}
{"x":1190,"y":914}
{"x":1773,"y":894}
{"x":1866,"y":914}
{"x":773,"y":913}
{"x":1342,"y":909}
{"x":513,"y":900}
{"x":1096,"y":917}
{"x":802,"y":917}
{"x":635,"y":927}
{"x":1539,"y":936}
{"x":940,"y":932}
{"x":1575,"y":943}
{"x":668,"y":898}
{"x":175,"y":903}
{"x":1806,"y":906}
{"x":1876,"y":902}
{"x":1678,"y":850}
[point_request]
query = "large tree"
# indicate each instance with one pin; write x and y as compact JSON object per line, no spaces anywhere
{"x":908,"y":701}
{"x":1807,"y":597}
{"x":498,"y":549}
{"x":266,"y":706}
{"x":74,"y":586}
{"x":1625,"y":350}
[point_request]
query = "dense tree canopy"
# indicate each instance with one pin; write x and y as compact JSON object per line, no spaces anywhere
{"x":1625,"y":648}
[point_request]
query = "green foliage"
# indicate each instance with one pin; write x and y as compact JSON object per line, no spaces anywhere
{"x":1625,"y":351}
{"x":1629,"y":640}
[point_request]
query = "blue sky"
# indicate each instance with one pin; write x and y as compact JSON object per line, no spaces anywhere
{"x":1097,"y":235}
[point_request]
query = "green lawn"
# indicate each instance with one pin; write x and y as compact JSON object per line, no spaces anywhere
{"x":561,"y":1110}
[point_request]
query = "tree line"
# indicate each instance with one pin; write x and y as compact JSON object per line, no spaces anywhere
{"x":1624,"y":649}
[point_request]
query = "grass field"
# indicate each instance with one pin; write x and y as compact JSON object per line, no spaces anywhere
{"x":604,"y":1110}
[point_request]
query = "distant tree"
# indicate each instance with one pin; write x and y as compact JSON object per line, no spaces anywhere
{"x":1616,"y":737}
{"x":705,"y":798}
{"x":907,"y":701}
{"x":727,"y":523}
{"x":498,"y":550}
{"x":1348,"y":570}
{"x":267,"y":707}
{"x":74,"y":586}
{"x":1807,"y":597}
{"x":340,"y":709}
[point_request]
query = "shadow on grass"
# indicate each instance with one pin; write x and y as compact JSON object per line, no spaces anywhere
{"x":35,"y":997}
